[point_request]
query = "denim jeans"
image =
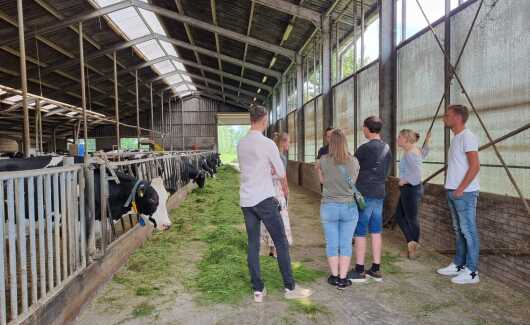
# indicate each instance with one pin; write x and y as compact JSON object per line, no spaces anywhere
{"x":339,"y":221}
{"x":268,"y":212}
{"x":463,"y":210}
{"x":370,"y":218}
{"x":407,"y":211}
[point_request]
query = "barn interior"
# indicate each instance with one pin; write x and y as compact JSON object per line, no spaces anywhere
{"x":142,"y":87}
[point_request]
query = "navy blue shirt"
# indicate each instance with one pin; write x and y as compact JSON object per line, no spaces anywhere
{"x":323,"y":151}
{"x":374,"y":168}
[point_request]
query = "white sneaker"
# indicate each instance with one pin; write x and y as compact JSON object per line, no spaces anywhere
{"x":258,"y":295}
{"x":297,"y":293}
{"x":451,"y":270}
{"x":466,"y":278}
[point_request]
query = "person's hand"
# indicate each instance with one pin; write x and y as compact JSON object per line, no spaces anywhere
{"x":458,"y":192}
{"x":402,"y":182}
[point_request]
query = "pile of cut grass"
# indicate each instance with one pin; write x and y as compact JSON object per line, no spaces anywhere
{"x":213,"y":217}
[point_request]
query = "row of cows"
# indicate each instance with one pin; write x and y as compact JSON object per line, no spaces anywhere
{"x":148,"y":197}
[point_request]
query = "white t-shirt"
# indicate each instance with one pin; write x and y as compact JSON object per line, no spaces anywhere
{"x":457,"y":164}
{"x":257,"y":155}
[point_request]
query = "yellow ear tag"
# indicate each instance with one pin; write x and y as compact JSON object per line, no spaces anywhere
{"x":134,"y":207}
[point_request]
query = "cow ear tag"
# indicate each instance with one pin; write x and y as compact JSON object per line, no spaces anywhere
{"x":141,"y":192}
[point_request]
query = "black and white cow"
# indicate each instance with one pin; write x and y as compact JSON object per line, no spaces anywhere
{"x":120,"y":197}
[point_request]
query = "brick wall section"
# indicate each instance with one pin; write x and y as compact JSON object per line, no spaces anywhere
{"x":293,"y":172}
{"x":309,"y":177}
{"x":502,"y":222}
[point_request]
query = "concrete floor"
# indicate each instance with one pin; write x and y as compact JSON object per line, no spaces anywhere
{"x":411,"y":292}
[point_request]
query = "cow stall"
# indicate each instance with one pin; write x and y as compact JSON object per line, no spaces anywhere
{"x":57,"y":223}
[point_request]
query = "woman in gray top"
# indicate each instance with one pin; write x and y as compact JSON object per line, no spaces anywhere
{"x":338,"y":210}
{"x":410,"y":189}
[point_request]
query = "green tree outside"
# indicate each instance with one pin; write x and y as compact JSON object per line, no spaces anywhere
{"x":228,"y":138}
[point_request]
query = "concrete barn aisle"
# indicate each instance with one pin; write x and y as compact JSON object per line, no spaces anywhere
{"x":172,"y":280}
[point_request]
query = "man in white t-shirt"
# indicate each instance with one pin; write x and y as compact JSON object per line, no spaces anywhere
{"x":258,"y":156}
{"x":462,"y":185}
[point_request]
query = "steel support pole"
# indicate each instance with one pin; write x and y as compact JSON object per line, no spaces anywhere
{"x":162,"y":125}
{"x":387,"y":75}
{"x":182,"y":125}
{"x":299,"y":81}
{"x":170,"y":126}
{"x":326,"y":72}
{"x":152,"y":113}
{"x":137,"y":108}
{"x":362,"y":28}
{"x":54,"y":139}
{"x":38,"y":136}
{"x":23,"y":77}
{"x":283,"y":97}
{"x":83,"y":90}
{"x":447,"y":76}
{"x":116,"y":101}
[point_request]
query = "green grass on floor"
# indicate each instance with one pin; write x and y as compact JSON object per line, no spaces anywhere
{"x":211,"y":216}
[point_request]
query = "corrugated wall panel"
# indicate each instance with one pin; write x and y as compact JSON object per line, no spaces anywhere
{"x":495,"y":72}
{"x":309,"y":132}
{"x":343,"y":104}
{"x":420,"y":87}
{"x":368,"y":97}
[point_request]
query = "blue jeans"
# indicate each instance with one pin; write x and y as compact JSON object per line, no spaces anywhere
{"x":339,"y":221}
{"x":371,"y":218}
{"x":463,"y":210}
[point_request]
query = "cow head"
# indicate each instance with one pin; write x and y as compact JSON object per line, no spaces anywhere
{"x":160,"y":216}
{"x":147,"y":200}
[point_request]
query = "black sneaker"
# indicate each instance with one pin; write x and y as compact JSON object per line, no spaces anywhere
{"x":376,"y":275}
{"x":333,"y":280}
{"x":343,"y":284}
{"x":356,"y":277}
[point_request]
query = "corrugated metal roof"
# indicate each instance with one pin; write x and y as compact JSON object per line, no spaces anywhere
{"x":53,"y":49}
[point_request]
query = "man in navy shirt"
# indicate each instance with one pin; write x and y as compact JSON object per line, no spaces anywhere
{"x":375,"y":160}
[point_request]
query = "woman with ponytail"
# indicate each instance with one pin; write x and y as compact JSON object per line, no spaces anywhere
{"x":410,"y":188}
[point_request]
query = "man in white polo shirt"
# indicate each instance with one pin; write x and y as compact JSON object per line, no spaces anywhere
{"x":258,"y":158}
{"x":462,"y":185}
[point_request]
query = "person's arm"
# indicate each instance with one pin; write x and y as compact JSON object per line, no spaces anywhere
{"x":404,"y":163}
{"x":472,"y":172}
{"x":355,"y":170}
{"x":471,"y":150}
{"x":276,"y":161}
{"x":320,"y":175}
{"x":426,"y":146}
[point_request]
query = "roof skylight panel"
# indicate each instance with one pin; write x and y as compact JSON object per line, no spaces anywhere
{"x":152,"y":21}
{"x":168,"y":47}
{"x":13,"y":99}
{"x":179,"y":65}
{"x":173,"y":79}
{"x":150,"y":49}
{"x":164,"y":67}
{"x":181,"y":88}
{"x":138,"y":22}
{"x":129,"y":22}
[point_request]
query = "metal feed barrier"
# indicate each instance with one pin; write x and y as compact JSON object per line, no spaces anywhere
{"x":48,"y":226}
{"x":43,"y":214}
